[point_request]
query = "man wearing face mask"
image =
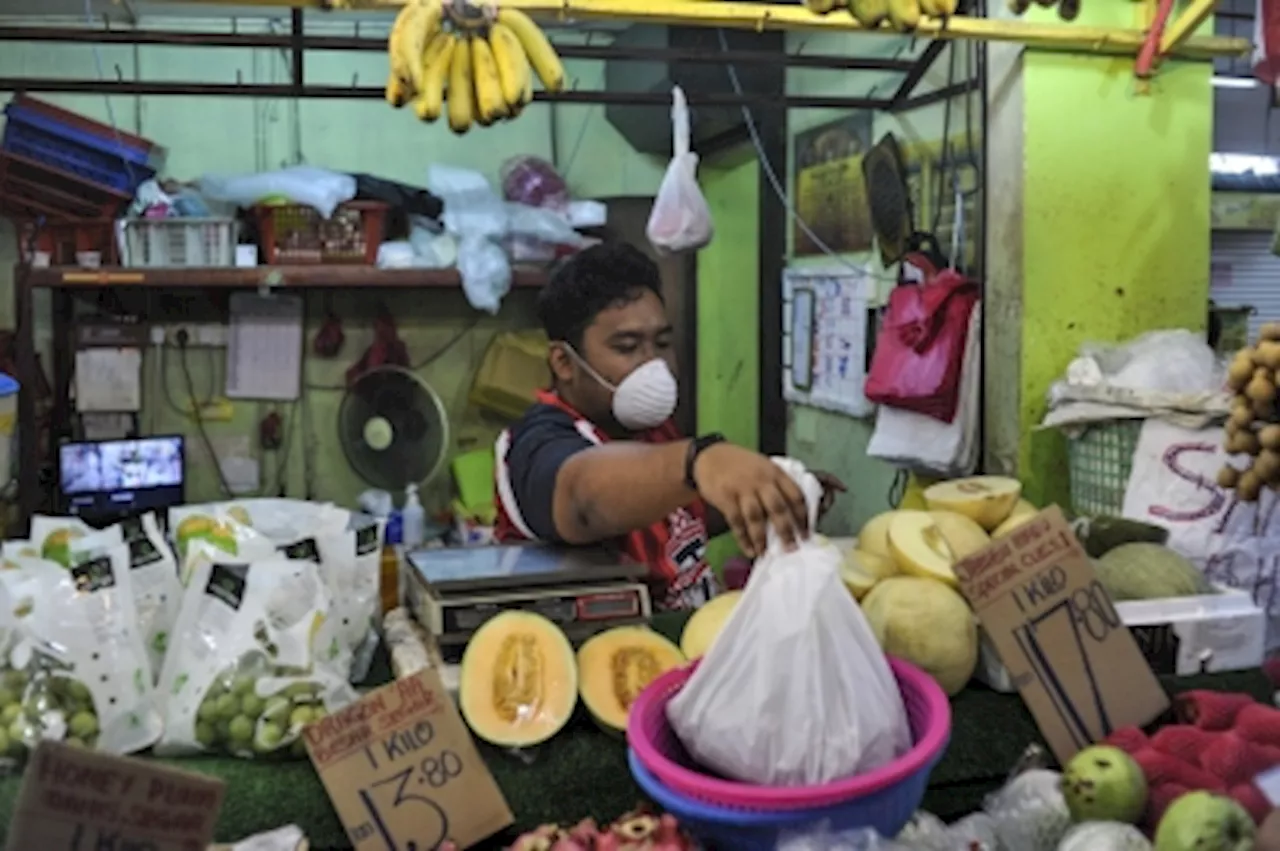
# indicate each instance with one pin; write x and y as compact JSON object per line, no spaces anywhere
{"x":597,"y":458}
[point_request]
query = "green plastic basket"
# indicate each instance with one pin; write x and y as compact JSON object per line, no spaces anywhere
{"x":1100,"y":462}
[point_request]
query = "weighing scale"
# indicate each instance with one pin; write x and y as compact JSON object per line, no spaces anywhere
{"x":451,"y":591}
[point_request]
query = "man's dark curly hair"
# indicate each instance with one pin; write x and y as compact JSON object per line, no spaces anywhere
{"x":602,"y":276}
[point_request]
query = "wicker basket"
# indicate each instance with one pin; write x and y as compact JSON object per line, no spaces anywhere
{"x":1100,"y":462}
{"x":297,"y":234}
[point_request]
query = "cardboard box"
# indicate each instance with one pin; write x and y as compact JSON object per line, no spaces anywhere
{"x":1225,"y":631}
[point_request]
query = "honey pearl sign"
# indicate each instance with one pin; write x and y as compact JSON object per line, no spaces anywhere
{"x":1076,"y":666}
{"x":74,"y":799}
{"x":402,"y":771}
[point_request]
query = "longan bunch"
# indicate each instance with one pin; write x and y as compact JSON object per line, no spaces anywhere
{"x":1253,"y":428}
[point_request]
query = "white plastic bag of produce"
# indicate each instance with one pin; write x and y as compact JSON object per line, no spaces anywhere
{"x":201,"y":532}
{"x":157,"y":593}
{"x":86,"y":676}
{"x":680,"y":219}
{"x":51,"y":537}
{"x":348,"y":549}
{"x":350,"y":563}
{"x":251,"y":660}
{"x":797,"y":643}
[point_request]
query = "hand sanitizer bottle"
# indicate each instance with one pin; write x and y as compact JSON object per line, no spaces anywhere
{"x":413,"y":519}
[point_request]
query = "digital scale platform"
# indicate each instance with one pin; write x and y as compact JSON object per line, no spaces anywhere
{"x":453,"y":590}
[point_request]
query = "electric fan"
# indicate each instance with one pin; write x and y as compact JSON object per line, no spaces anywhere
{"x":393,"y":429}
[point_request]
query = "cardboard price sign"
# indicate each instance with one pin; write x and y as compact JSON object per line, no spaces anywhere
{"x":403,"y":772}
{"x":74,"y":799}
{"x":1073,"y":660}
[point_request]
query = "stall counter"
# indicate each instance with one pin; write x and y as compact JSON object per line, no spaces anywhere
{"x":583,"y":771}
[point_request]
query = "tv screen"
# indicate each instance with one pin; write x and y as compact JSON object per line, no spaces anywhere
{"x":113,"y":477}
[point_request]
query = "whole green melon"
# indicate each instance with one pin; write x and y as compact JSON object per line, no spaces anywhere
{"x":1143,"y":571}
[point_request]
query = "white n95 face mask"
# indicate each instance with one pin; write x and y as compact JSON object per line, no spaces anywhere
{"x":646,"y":398}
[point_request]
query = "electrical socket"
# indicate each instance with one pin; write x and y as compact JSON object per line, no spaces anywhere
{"x":207,"y":335}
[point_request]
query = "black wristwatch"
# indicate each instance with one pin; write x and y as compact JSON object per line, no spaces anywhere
{"x":696,"y":447}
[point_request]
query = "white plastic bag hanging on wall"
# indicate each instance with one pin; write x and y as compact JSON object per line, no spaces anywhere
{"x":680,"y":219}
{"x":796,"y":690}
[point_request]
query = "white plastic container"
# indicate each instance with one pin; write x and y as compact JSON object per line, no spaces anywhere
{"x":1177,"y":635}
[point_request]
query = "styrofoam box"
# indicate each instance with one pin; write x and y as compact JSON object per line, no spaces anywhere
{"x":1178,"y":635}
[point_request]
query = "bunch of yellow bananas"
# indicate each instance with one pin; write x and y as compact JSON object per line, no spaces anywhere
{"x":902,"y":15}
{"x":483,"y":70}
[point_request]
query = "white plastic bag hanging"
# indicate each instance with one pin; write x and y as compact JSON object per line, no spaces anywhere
{"x":680,"y":219}
{"x":796,"y":690}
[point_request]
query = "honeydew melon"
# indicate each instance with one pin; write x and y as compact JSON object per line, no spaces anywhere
{"x":986,"y":500}
{"x":874,"y":537}
{"x":518,"y":682}
{"x":861,"y":570}
{"x":963,"y":536}
{"x":701,"y":630}
{"x":927,"y":624}
{"x":618,"y":664}
{"x":920,"y":548}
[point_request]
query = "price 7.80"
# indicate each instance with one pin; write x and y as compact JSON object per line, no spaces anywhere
{"x":403,"y":798}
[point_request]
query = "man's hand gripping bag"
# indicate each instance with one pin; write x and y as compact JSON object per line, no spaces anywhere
{"x":795,"y":690}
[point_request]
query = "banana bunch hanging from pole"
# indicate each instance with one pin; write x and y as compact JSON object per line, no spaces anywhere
{"x":475,"y":65}
{"x":901,"y":15}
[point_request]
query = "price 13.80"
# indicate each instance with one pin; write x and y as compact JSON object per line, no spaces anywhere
{"x":405,"y":798}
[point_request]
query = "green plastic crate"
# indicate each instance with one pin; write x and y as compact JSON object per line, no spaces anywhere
{"x":1100,"y":462}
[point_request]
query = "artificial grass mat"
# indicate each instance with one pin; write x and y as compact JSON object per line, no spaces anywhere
{"x":583,"y":771}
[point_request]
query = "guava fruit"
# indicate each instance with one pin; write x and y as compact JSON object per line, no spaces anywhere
{"x":1103,"y":783}
{"x":1203,"y":821}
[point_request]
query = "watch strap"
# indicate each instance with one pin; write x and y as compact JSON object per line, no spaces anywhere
{"x":696,"y":447}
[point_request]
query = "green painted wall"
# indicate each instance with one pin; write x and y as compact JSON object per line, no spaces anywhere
{"x":1099,"y":227}
{"x":822,"y":439}
{"x":729,"y":311}
{"x":1116,"y":223}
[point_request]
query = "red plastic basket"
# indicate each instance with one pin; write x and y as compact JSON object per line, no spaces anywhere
{"x":656,"y":747}
{"x":295,"y":234}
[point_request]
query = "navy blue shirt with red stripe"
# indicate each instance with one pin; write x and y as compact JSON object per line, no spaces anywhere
{"x":530,"y":455}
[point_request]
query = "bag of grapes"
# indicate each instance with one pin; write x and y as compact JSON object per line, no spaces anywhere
{"x":252,"y":660}
{"x":80,"y":669}
{"x":157,"y":593}
{"x":350,"y":562}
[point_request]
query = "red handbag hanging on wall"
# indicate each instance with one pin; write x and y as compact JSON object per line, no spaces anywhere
{"x":920,"y":348}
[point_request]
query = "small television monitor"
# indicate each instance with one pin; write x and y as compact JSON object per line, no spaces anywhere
{"x":111,"y":478}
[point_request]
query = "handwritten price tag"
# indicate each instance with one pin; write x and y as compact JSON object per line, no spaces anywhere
{"x":1076,"y":665}
{"x":74,"y":799}
{"x":403,"y":772}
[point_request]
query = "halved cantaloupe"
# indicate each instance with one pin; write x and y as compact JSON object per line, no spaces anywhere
{"x":616,"y":665}
{"x":874,"y":537}
{"x":1015,"y":520}
{"x":701,"y":630}
{"x":986,"y":500}
{"x":920,"y":548}
{"x":518,"y":682}
{"x":963,"y":536}
{"x":861,"y":570}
